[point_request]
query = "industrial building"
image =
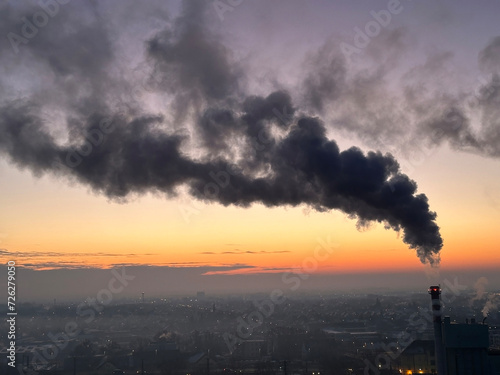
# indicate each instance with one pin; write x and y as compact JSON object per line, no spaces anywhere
{"x":457,"y":349}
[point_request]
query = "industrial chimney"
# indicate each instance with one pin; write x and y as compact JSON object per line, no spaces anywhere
{"x":435,"y":292}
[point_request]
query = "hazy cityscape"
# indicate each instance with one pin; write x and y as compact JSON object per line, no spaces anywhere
{"x":252,"y":334}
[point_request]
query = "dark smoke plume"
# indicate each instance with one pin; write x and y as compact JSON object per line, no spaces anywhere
{"x":248,"y":148}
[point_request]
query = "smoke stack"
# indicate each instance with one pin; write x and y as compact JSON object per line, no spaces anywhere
{"x":435,"y":292}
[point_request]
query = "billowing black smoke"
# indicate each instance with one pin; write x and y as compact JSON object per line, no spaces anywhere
{"x":225,"y":147}
{"x":302,"y":167}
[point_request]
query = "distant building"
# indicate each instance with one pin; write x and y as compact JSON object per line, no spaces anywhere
{"x":200,"y":363}
{"x":251,"y":350}
{"x":456,"y":349}
{"x":200,"y":296}
{"x":418,"y":357}
{"x":495,"y":340}
{"x":466,"y":348}
{"x":155,"y":354}
{"x":494,"y":358}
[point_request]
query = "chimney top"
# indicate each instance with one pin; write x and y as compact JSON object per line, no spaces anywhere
{"x":435,"y":291}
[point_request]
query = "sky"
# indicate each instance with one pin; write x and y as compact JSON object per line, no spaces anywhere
{"x":245,"y":140}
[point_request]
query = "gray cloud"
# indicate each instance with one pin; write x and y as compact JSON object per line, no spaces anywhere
{"x":489,"y":57}
{"x":195,"y":66}
{"x":55,"y":254}
{"x":59,"y":260}
{"x":429,"y":109}
{"x":236,"y":251}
